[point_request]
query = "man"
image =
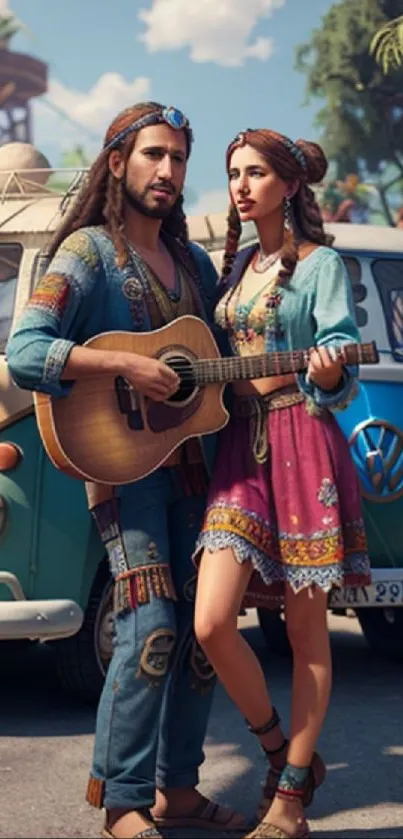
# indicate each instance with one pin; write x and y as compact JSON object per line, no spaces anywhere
{"x":122,"y":261}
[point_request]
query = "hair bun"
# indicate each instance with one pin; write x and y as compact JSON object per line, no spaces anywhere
{"x":316,"y":161}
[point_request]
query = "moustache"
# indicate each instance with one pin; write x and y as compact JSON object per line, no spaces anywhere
{"x":165,"y":185}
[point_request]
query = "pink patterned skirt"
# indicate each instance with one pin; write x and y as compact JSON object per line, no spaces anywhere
{"x":285,"y":495}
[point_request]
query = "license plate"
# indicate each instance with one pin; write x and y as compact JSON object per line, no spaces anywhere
{"x":380,"y":593}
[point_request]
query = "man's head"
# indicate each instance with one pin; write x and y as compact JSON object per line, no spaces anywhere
{"x":153,"y":172}
{"x":142,"y":165}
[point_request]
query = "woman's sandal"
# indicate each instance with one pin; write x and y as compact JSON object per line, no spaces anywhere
{"x":316,"y":775}
{"x":266,"y":830}
{"x":291,"y":786}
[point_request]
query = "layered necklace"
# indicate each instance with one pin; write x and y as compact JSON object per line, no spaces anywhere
{"x":265,"y":261}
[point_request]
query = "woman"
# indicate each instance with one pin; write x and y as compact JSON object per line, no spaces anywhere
{"x":283,"y":521}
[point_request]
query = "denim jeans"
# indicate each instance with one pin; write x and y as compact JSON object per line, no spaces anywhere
{"x":153,"y":712}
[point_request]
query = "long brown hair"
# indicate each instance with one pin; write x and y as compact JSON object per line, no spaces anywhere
{"x":101,"y":198}
{"x":301,"y":160}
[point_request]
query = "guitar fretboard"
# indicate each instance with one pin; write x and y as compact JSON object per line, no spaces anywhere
{"x":221,"y":370}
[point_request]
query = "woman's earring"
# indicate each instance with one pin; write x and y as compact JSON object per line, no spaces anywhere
{"x":288,"y":214}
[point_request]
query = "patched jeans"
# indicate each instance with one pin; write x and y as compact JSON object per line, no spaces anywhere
{"x":154,"y":708}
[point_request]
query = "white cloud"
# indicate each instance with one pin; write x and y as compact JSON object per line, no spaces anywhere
{"x":213,"y":30}
{"x":215,"y":201}
{"x":5,"y":8}
{"x":90,"y":112}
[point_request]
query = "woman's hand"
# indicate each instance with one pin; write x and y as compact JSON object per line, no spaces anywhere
{"x":324,"y":369}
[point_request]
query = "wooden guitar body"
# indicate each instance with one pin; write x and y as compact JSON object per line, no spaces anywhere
{"x":103,"y":432}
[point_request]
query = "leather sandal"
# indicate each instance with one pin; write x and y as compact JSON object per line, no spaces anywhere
{"x":148,"y":833}
{"x":266,"y":830}
{"x":206,"y":816}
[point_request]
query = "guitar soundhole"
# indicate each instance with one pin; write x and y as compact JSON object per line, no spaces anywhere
{"x":184,"y":368}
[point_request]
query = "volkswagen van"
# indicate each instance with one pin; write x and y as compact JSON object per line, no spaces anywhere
{"x":54,"y":579}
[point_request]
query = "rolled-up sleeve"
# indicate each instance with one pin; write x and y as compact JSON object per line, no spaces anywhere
{"x":335,"y":325}
{"x":52,"y":321}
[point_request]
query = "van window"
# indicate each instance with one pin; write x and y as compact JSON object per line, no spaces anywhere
{"x":388,"y":275}
{"x":354,"y":270}
{"x":10,"y":259}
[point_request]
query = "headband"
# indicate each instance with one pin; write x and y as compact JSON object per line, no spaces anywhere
{"x":170,"y":116}
{"x":292,"y":147}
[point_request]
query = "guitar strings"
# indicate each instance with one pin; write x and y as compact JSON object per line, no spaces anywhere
{"x":190,"y":369}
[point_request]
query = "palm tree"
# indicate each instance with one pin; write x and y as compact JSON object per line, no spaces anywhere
{"x":387,"y":45}
{"x":9,"y":26}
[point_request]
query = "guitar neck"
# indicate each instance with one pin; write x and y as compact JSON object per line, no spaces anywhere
{"x":235,"y":368}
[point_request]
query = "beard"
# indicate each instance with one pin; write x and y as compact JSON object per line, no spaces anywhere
{"x":138,"y":201}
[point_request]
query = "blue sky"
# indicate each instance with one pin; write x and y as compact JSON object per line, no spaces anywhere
{"x":227,"y":63}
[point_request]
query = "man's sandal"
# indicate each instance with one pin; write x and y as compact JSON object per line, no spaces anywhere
{"x":206,"y":816}
{"x":148,"y":833}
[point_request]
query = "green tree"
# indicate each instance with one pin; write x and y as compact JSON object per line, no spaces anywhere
{"x":387,"y":45}
{"x":361,"y":120}
{"x":76,"y":158}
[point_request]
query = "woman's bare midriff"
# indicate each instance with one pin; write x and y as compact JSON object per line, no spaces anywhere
{"x":260,"y":387}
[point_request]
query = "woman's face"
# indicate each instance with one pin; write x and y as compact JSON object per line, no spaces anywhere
{"x":254,"y":187}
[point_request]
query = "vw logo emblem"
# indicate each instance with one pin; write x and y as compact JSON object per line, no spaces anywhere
{"x":377,"y":451}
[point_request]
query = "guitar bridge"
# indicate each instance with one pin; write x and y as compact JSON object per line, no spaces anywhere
{"x":129,"y":403}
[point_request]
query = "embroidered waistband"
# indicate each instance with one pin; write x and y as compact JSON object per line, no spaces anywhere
{"x":249,"y":406}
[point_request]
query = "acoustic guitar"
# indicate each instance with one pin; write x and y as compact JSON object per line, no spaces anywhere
{"x":105,"y":431}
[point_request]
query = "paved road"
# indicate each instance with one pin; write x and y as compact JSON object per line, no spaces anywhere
{"x":46,"y":742}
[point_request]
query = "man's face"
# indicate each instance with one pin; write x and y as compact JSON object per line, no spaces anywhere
{"x":155,"y":171}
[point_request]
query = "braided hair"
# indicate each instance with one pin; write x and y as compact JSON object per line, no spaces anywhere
{"x":303,"y":161}
{"x":100,"y":200}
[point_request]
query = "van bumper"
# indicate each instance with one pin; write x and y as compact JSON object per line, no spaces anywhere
{"x":36,"y":620}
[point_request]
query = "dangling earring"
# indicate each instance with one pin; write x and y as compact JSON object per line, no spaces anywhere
{"x":288,"y":219}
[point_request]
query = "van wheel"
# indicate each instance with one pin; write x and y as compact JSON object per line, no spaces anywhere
{"x":274,"y":630}
{"x":383,"y":631}
{"x":83,"y":659}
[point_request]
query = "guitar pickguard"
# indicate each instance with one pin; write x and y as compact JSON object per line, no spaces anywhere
{"x":129,"y":404}
{"x":161,"y":416}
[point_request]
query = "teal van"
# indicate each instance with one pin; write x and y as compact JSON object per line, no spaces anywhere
{"x":54,"y":579}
